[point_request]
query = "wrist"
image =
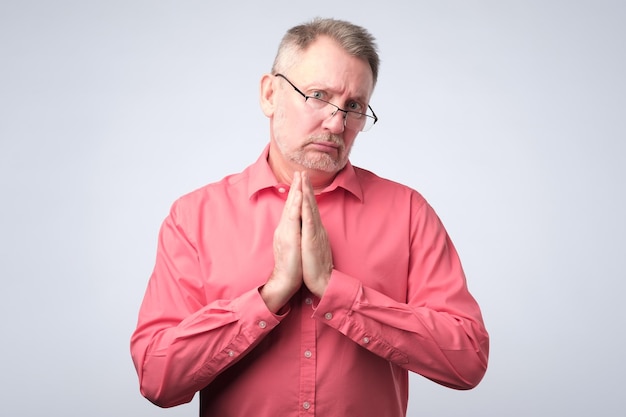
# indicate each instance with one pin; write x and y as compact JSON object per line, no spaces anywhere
{"x":275,"y":299}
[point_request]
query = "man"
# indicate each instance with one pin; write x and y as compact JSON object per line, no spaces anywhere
{"x":305,"y":286}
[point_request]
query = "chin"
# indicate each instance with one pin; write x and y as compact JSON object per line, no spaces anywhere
{"x":325,"y":164}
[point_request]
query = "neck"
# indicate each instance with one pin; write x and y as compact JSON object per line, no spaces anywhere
{"x":284,"y":174}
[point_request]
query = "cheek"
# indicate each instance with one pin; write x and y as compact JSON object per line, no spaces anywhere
{"x":285,"y":129}
{"x":279,"y":117}
{"x":348,"y":140}
{"x":285,"y":119}
{"x":280,"y":125}
{"x":293,"y":125}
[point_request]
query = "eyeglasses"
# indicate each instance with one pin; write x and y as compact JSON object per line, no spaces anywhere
{"x":352,"y":119}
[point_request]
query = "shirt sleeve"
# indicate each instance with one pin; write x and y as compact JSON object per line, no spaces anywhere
{"x":437,"y":332}
{"x":182,"y":342}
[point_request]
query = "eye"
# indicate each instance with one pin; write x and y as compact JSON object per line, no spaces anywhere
{"x":318,"y":94}
{"x":355,"y":106}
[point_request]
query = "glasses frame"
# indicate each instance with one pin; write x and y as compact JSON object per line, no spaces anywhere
{"x":306,"y":98}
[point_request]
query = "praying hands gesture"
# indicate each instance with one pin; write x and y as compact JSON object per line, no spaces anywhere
{"x":302,"y":252}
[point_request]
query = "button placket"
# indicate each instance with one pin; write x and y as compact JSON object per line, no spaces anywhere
{"x":308,"y":340}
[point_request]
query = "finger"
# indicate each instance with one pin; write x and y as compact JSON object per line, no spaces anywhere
{"x":287,"y":274}
{"x":316,"y":251}
{"x":310,"y":211}
{"x":293,"y":205}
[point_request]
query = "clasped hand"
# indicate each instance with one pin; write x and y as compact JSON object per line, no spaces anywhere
{"x":302,"y":251}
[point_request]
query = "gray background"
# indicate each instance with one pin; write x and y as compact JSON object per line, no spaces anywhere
{"x":509,"y":116}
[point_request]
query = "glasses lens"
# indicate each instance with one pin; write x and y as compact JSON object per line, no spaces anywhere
{"x":359,"y":121}
{"x":316,"y":103}
{"x":353,"y":120}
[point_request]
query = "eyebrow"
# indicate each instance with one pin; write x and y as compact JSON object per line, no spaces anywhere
{"x":358,"y":98}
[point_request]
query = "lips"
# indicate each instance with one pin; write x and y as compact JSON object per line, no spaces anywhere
{"x":326,"y":144}
{"x":328,"y":147}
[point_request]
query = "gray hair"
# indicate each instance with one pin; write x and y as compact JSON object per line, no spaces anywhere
{"x":354,"y":39}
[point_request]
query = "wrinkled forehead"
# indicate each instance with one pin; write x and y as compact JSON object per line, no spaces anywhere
{"x":326,"y":64}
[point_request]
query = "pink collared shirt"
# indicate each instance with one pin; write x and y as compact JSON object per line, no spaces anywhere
{"x":397,"y":301}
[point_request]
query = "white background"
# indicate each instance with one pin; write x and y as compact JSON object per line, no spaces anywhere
{"x":508,"y":116}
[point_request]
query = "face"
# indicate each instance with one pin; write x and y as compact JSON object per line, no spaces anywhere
{"x":316,"y":140}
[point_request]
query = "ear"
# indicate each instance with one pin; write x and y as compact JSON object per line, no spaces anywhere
{"x":267,"y":94}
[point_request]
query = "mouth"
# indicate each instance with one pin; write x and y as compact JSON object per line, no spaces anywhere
{"x":324,"y":146}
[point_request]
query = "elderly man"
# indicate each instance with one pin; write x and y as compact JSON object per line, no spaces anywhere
{"x":305,"y":286}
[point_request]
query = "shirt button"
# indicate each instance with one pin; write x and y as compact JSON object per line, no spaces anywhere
{"x":282,"y":190}
{"x":366,"y":340}
{"x":328,"y":316}
{"x":306,"y":405}
{"x":308,"y":300}
{"x":307,"y":354}
{"x":262,"y":324}
{"x":231,"y":353}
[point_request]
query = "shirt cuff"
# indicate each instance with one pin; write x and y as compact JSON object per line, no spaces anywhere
{"x":253,"y":313}
{"x":338,"y":299}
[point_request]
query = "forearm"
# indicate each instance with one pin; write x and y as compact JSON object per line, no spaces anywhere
{"x":175,"y":360}
{"x":448,"y":345}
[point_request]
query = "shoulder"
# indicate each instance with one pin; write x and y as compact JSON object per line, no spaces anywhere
{"x":377,"y":187}
{"x":211,"y":194}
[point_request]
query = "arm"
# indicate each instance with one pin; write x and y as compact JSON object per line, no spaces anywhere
{"x":182,"y":341}
{"x":438,"y":332}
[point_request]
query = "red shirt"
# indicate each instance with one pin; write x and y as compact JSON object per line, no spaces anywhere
{"x":397,"y":301}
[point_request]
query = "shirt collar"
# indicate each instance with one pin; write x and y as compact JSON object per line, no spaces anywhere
{"x":260,"y":177}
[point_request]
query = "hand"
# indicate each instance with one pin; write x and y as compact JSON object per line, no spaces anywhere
{"x":317,"y":259}
{"x":286,"y":278}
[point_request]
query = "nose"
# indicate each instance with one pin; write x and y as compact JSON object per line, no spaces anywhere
{"x":336,"y":123}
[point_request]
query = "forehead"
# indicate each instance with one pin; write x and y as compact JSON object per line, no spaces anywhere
{"x":326,"y":64}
